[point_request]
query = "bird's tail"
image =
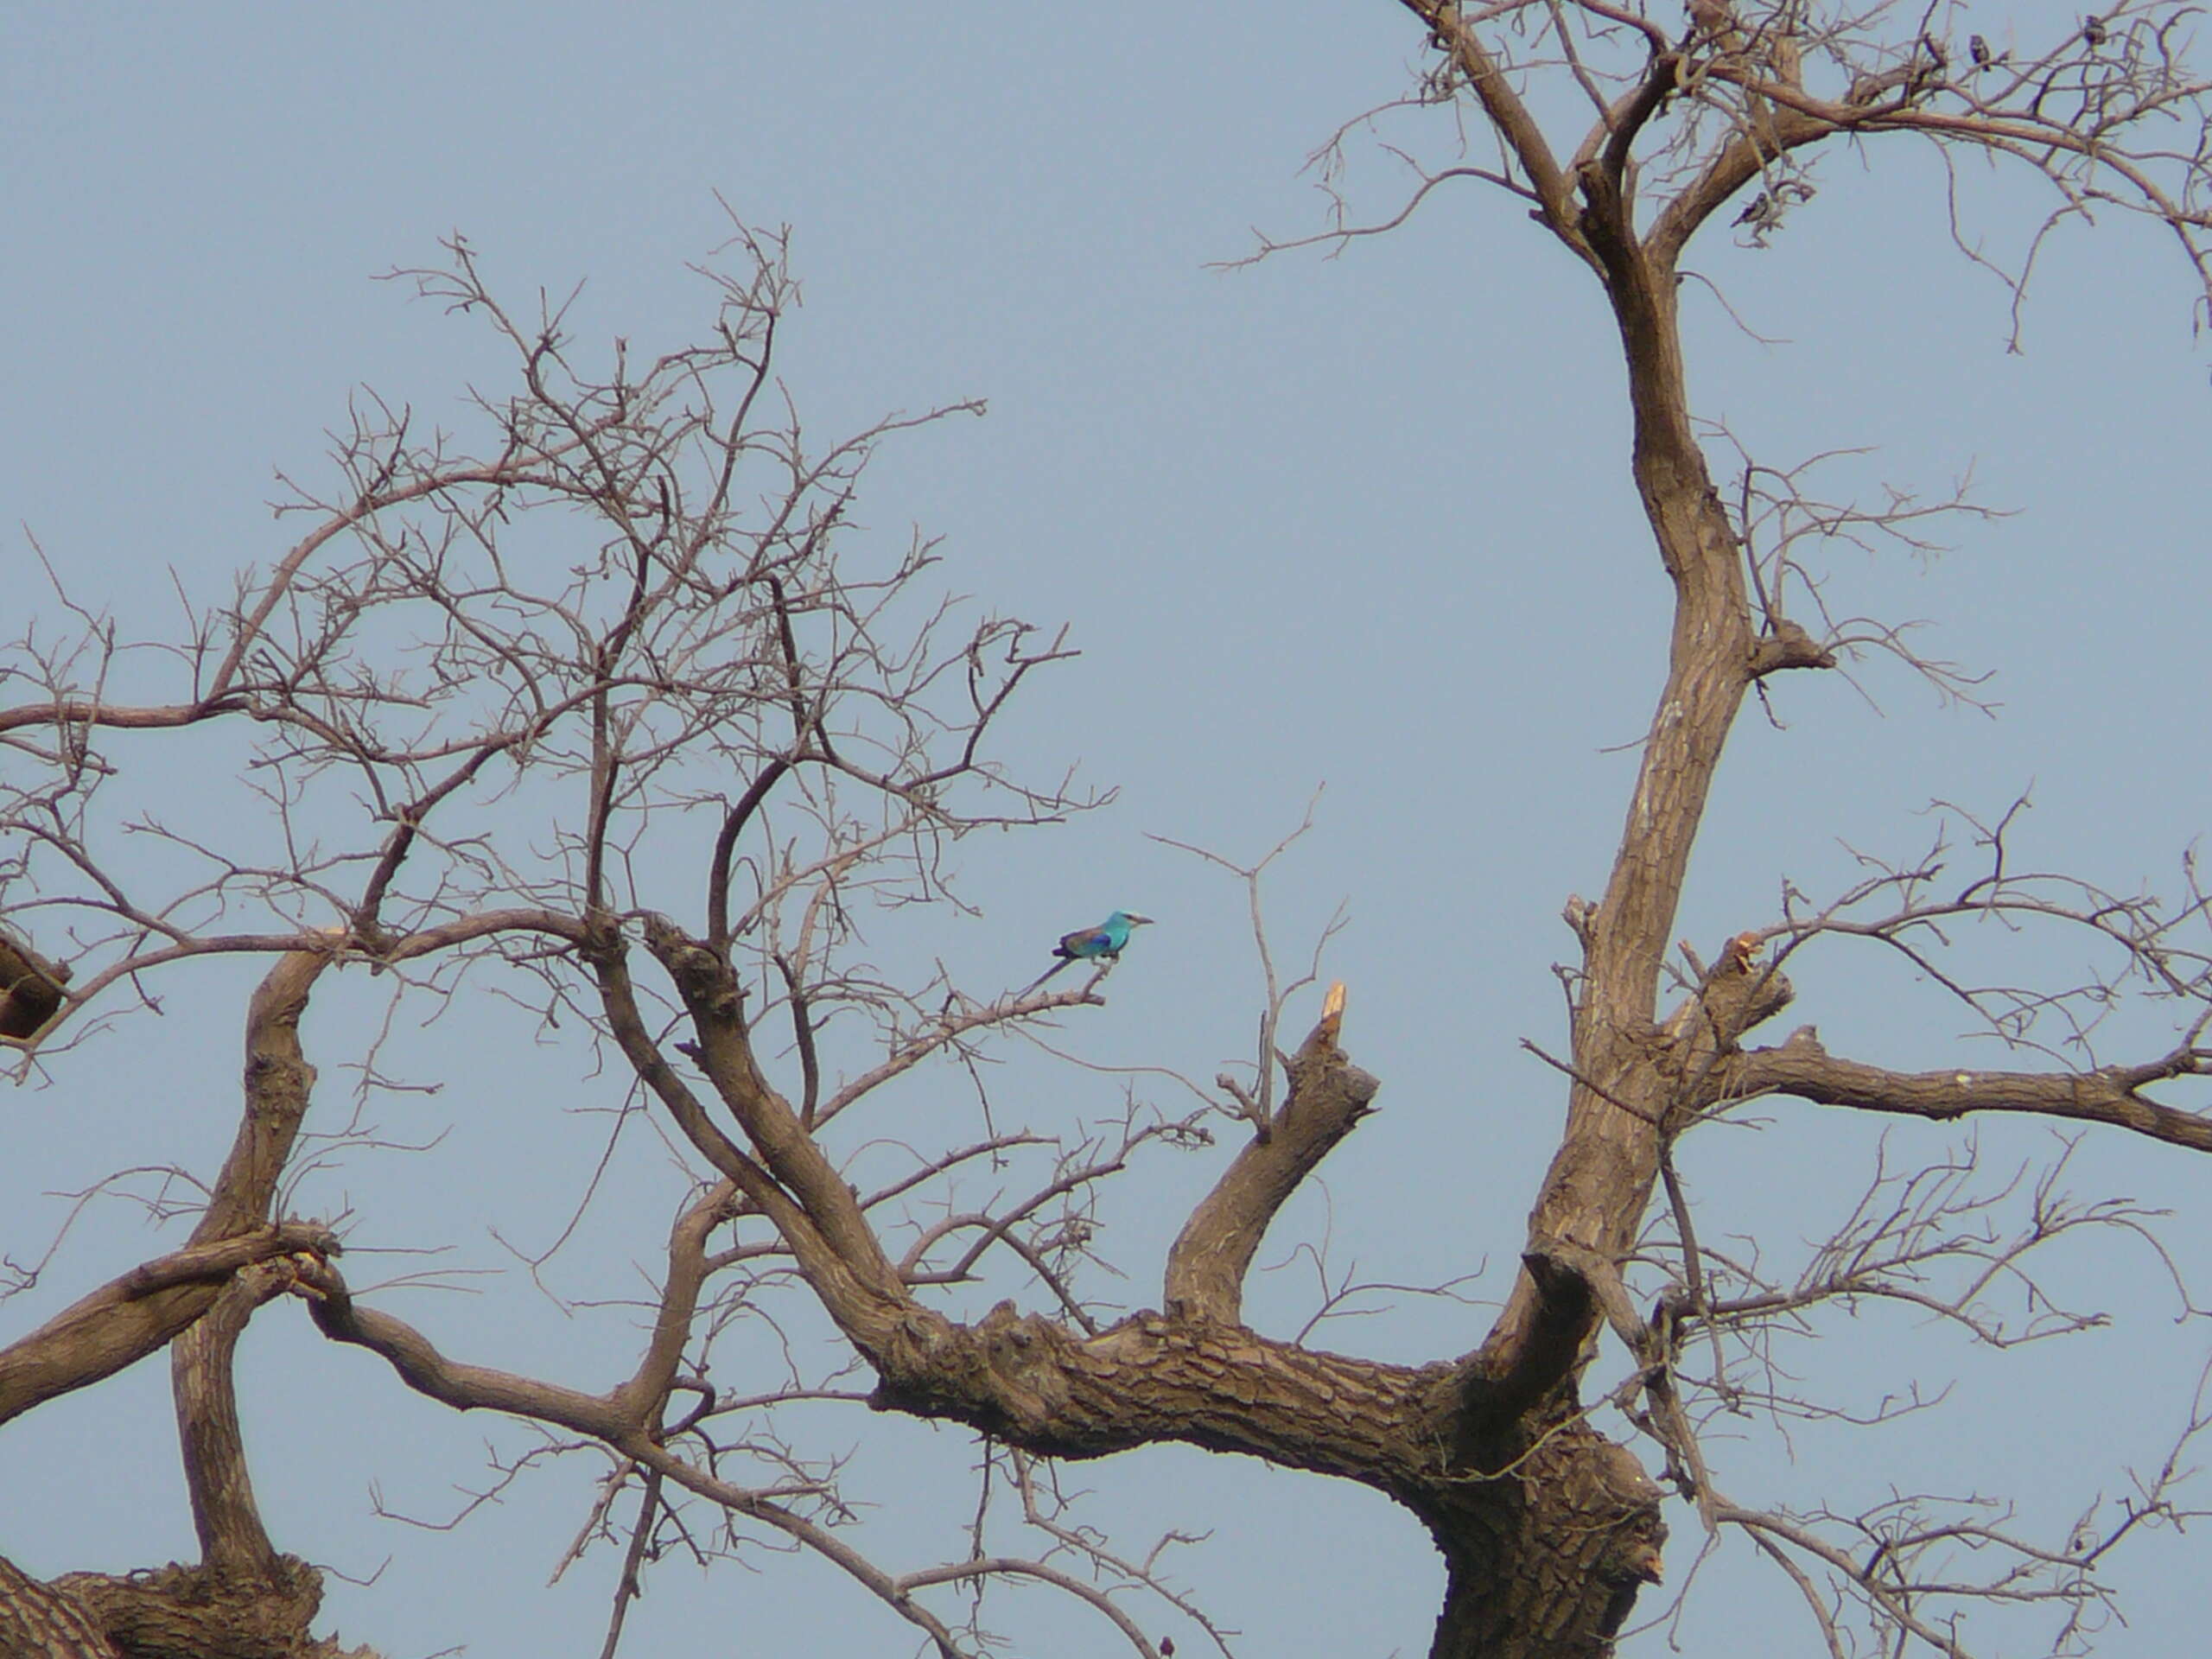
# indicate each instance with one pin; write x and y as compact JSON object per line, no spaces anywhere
{"x":1063,"y":962}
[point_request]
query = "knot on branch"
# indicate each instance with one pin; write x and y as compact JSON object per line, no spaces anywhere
{"x":1605,"y":213}
{"x":1322,"y":1077}
{"x":1022,"y":1353}
{"x":1740,"y":993}
{"x":1805,"y":1041}
{"x":1785,"y":644}
{"x":31,"y":996}
{"x":702,"y":976}
{"x":1736,"y":994}
{"x":1005,"y":1375}
{"x":1871,"y":88}
{"x":275,"y":1077}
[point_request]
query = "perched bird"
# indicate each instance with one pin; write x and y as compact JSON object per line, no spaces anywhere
{"x":2093,"y":30}
{"x":1766,"y":211}
{"x":1101,"y":944}
{"x":1980,"y":49}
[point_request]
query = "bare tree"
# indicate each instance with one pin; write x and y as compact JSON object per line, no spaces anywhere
{"x":609,"y":707}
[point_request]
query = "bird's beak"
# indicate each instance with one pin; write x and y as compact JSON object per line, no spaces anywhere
{"x":1140,"y":921}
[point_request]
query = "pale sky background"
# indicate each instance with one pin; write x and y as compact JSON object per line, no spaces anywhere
{"x":1362,"y":522}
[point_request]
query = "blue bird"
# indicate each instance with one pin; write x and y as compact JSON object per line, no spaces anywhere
{"x":1101,"y":944}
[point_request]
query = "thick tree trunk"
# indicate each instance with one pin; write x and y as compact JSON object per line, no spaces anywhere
{"x":1548,"y":1530}
{"x":1545,"y":1560}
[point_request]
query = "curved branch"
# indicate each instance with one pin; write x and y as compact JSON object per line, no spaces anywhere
{"x":715,"y":1004}
{"x":233,"y":1543}
{"x":1327,"y":1097}
{"x":610,"y":1417}
{"x":138,"y":1312}
{"x":2109,"y":1096}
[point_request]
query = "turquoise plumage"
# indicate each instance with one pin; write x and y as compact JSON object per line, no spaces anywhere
{"x":1101,"y":944}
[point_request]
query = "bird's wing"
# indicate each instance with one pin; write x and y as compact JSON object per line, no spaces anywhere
{"x":1084,"y":942}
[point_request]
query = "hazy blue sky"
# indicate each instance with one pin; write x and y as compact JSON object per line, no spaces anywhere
{"x":1363,"y":523}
